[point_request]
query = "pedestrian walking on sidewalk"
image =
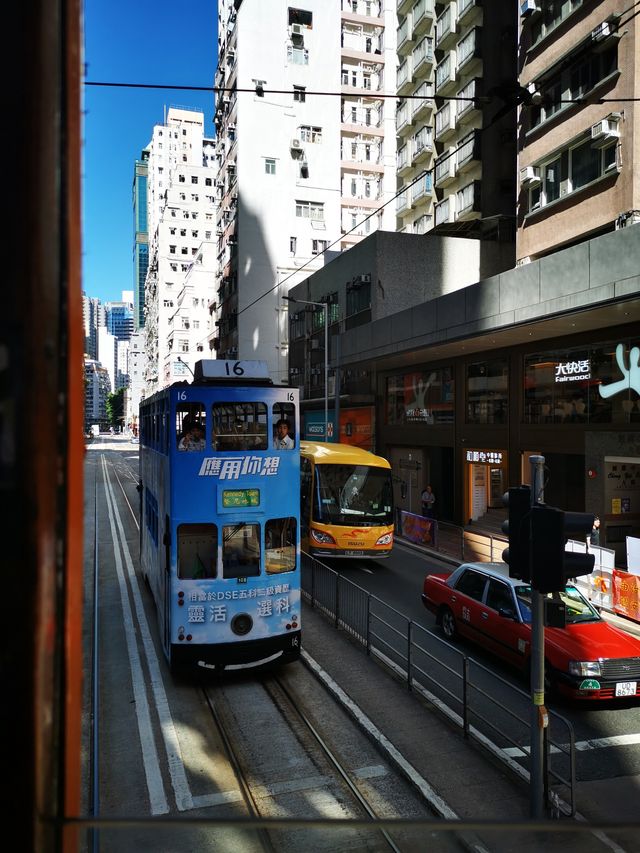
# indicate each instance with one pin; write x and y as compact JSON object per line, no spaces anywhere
{"x":428,"y":499}
{"x":594,"y":537}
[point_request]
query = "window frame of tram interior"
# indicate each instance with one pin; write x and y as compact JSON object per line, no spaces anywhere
{"x":279,"y":557}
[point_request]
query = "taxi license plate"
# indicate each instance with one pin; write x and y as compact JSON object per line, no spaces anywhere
{"x":626,"y":688}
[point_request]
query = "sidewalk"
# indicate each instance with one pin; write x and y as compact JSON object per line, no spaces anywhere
{"x":468,"y":780}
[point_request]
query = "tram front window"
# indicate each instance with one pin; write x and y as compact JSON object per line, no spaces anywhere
{"x":240,"y":550}
{"x":197,"y":551}
{"x":349,"y":494}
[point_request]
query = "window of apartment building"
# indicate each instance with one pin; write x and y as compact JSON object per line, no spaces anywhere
{"x":297,"y":55}
{"x":184,"y":267}
{"x":299,"y":94}
{"x":300,"y":16}
{"x":354,"y":78}
{"x":208,"y":182}
{"x":353,"y":187}
{"x":183,"y":232}
{"x":194,"y":179}
{"x":207,"y":235}
{"x":293,"y":243}
{"x":319,"y":246}
{"x":174,"y":267}
{"x":183,"y":196}
{"x":344,"y":76}
{"x":310,"y":134}
{"x":354,"y":150}
{"x":554,"y":12}
{"x":573,"y":82}
{"x":181,"y":179}
{"x":269,"y":166}
{"x":173,"y":213}
{"x":172,"y":250}
{"x":571,"y":170}
{"x":313,"y":210}
{"x":194,"y":233}
{"x":172,"y":230}
{"x":184,"y":346}
{"x":184,"y":250}
{"x":195,"y":197}
{"x":366,"y":80}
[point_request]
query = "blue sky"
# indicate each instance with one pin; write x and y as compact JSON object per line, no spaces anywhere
{"x":153,"y":42}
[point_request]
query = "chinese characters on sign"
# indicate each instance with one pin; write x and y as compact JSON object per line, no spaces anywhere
{"x":237,"y":466}
{"x":490,"y":457}
{"x":205,"y":610}
{"x":573,"y":371}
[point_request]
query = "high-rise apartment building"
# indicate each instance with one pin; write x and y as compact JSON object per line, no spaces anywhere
{"x":456,"y":124}
{"x":580,"y":138}
{"x":181,"y":208}
{"x":92,"y":318}
{"x":306,"y":160}
{"x":140,"y":236}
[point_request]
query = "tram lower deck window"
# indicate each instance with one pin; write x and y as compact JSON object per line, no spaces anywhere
{"x":240,"y":550}
{"x":197,"y":551}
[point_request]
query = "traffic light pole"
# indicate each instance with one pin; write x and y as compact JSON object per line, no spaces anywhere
{"x":539,"y":715}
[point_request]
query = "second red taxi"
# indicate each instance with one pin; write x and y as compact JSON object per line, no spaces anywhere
{"x":587,"y":659}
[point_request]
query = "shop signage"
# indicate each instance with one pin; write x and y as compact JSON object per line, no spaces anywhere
{"x":630,"y":375}
{"x":573,"y":371}
{"x":489,"y":457}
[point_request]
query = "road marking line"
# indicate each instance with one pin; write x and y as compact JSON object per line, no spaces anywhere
{"x":581,"y":745}
{"x":184,"y":800}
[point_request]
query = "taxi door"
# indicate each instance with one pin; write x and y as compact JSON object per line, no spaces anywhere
{"x":466,"y":604}
{"x":507,"y":637}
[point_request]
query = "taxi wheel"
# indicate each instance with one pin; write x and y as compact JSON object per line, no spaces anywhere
{"x":448,"y":623}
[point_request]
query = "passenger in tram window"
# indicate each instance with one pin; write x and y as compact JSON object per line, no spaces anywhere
{"x":193,"y":438}
{"x":283,"y":440}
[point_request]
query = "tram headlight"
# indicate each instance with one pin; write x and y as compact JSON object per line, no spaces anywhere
{"x":241,"y":624}
{"x":387,"y":539}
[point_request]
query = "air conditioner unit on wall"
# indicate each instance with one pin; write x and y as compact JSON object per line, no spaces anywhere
{"x":296,"y":144}
{"x":296,"y":30}
{"x":604,"y":131}
{"x":529,"y":176}
{"x":529,"y":7}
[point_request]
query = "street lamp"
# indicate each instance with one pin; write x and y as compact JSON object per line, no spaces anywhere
{"x":325,"y":308}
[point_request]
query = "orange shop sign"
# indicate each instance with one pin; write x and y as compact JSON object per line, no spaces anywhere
{"x":626,"y":594}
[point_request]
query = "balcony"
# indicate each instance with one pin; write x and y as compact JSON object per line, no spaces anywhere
{"x":404,"y":119}
{"x":405,"y":39}
{"x":446,"y":28}
{"x":422,"y":16}
{"x":422,"y":102}
{"x":403,"y":161}
{"x":404,"y":77}
{"x":446,"y":74}
{"x":403,"y":6}
{"x":403,"y":203}
{"x":446,"y":122}
{"x":422,"y":191}
{"x":469,"y":111}
{"x":445,"y":168}
{"x":422,"y":144}
{"x":468,"y":154}
{"x":469,"y":51}
{"x":422,"y":224}
{"x":423,"y":56}
{"x":445,"y":211}
{"x":468,"y":201}
{"x":469,"y":10}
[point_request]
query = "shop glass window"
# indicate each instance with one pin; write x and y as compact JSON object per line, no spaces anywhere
{"x":564,"y":386}
{"x":280,"y":545}
{"x":239,"y":426}
{"x":487,"y":389}
{"x":197,"y":551}
{"x":425,"y":397}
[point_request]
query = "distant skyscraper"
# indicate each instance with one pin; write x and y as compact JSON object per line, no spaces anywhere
{"x":119,"y":319}
{"x":140,"y":236}
{"x":93,"y":317}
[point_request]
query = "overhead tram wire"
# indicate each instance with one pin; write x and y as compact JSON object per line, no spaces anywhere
{"x":511,"y":100}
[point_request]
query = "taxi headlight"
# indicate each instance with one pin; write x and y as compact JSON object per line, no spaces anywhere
{"x":585,"y":668}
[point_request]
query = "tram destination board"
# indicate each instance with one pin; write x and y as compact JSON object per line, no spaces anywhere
{"x":240,"y":497}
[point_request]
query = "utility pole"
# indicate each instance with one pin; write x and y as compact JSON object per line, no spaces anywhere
{"x":539,"y":715}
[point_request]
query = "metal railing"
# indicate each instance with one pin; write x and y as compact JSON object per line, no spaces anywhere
{"x":483,"y":704}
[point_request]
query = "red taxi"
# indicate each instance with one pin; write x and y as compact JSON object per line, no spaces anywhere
{"x":587,"y":659}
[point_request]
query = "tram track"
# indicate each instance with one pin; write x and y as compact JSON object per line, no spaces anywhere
{"x":324,"y":778}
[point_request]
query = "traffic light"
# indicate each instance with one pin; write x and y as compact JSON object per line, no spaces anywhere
{"x":517,"y":528}
{"x":552,"y":566}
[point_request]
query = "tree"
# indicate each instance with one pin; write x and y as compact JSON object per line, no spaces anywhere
{"x":115,"y":407}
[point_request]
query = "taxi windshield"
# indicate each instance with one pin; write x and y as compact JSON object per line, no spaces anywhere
{"x":577,"y":607}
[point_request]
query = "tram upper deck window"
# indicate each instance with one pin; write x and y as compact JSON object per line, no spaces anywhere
{"x":240,"y":550}
{"x":197,"y":551}
{"x":284,"y":412}
{"x":239,"y":426}
{"x":191,"y":425}
{"x":280,"y":545}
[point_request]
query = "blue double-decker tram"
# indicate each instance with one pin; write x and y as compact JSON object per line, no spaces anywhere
{"x":220,"y":504}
